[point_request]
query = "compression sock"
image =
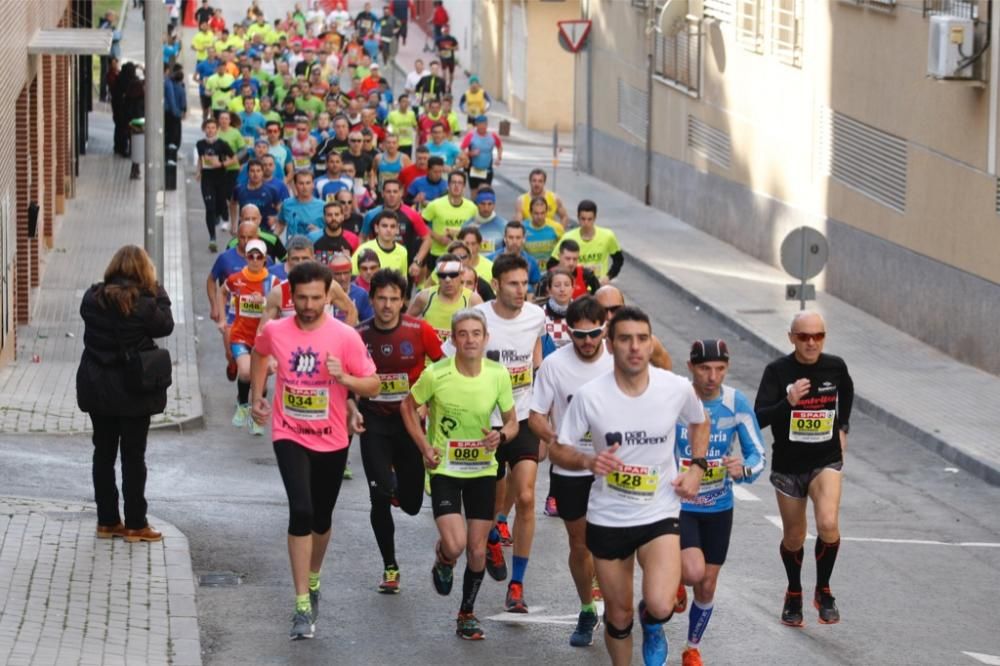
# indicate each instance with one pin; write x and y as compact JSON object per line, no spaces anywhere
{"x":589,"y":608}
{"x":382,"y":525}
{"x":793,"y":567}
{"x":697,"y":621}
{"x":494,"y":536}
{"x":242,"y":392}
{"x":302,"y":603}
{"x":470,"y":588}
{"x":826,"y":555}
{"x":520,"y":566}
{"x":313,"y":581}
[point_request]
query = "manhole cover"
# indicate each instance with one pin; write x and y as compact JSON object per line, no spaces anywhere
{"x":761,"y":311}
{"x":270,"y":462}
{"x":219,"y":579}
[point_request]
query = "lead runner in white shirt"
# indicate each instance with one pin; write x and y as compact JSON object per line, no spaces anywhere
{"x":632,"y":513}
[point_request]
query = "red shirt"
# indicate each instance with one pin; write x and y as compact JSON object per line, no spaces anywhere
{"x":399,"y":356}
{"x":249,"y":292}
{"x":440,"y":16}
{"x":410,"y":174}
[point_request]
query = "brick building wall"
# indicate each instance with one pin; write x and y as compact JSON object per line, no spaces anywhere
{"x":34,"y":158}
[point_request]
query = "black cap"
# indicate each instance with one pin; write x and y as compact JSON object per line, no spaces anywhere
{"x":703,"y":351}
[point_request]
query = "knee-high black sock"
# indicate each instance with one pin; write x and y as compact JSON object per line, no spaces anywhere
{"x":792,"y":560}
{"x":826,"y":555}
{"x":470,"y":588}
{"x":385,"y":529}
{"x":242,"y":392}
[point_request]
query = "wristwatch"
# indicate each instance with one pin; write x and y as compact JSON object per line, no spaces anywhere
{"x":700,"y":462}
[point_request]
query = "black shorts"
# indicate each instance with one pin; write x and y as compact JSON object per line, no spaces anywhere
{"x":476,"y":182}
{"x":393,"y":464}
{"x":206,"y":101}
{"x":708,"y":532}
{"x":522,"y":447}
{"x":448,"y":64}
{"x":619,"y":543}
{"x":571,"y":494}
{"x":430,"y":261}
{"x":312,"y":484}
{"x":797,"y":485}
{"x":449,"y":494}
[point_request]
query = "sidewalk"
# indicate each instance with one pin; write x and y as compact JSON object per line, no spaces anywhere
{"x":67,"y":597}
{"x":943,"y":404}
{"x":40,"y":397}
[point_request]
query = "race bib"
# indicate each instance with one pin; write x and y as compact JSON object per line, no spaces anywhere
{"x":395,"y":387}
{"x":469,"y":456}
{"x":210,"y":162}
{"x":636,"y":483}
{"x":520,"y":377}
{"x":811,"y":425}
{"x":250,"y":308}
{"x":443,"y":334}
{"x":714,"y":477}
{"x":479,"y":173}
{"x":302,"y":162}
{"x":311,"y":403}
{"x":487,"y":246}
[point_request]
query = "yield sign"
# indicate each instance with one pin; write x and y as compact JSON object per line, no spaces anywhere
{"x":573,"y":34}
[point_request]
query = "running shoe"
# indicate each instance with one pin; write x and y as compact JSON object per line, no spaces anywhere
{"x":496,"y":566}
{"x":241,"y":416}
{"x":515,"y":599}
{"x":791,"y":614}
{"x":691,"y":657}
{"x":551,"y":509}
{"x":302,"y":626}
{"x":348,"y":474}
{"x":231,"y":371}
{"x":681,"y":604}
{"x":256,"y":429}
{"x":469,"y":628}
{"x":595,"y":591}
{"x":390,"y":581}
{"x":827,"y":606}
{"x":442,"y":576}
{"x":314,"y":596}
{"x":213,"y":248}
{"x":505,"y":538}
{"x":654,"y":642}
{"x":583,"y":635}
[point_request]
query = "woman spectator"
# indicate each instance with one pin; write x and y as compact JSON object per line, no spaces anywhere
{"x":121,"y":107}
{"x":121,"y":317}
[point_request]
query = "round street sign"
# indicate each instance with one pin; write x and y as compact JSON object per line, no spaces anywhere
{"x":804,"y":253}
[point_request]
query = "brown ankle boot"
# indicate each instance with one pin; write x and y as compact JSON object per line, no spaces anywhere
{"x":147,"y":533}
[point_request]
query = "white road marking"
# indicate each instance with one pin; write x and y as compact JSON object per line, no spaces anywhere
{"x":983,"y":658}
{"x":533,"y":617}
{"x":744,"y":495}
{"x":776,"y":521}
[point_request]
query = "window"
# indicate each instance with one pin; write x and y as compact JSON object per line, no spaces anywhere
{"x":786,"y":31}
{"x":677,"y":61}
{"x":720,"y":10}
{"x":750,"y":24}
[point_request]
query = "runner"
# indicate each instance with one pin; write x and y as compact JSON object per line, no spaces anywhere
{"x":478,"y":146}
{"x":402,"y":122}
{"x":583,"y":279}
{"x":412,"y":233}
{"x":390,"y":253}
{"x":472,"y":240}
{"x":247,"y":289}
{"x":462,"y":392}
{"x":559,"y":295}
{"x":279,"y":301}
{"x":560,"y":376}
{"x":319,"y":360}
{"x":597,"y":246}
{"x":536,"y":188}
{"x":475,"y":101}
{"x":342,"y":269}
{"x":333,"y":238}
{"x":399,"y":345}
{"x":425,"y":189}
{"x":214,"y":155}
{"x":806,"y":399}
{"x":707,"y":520}
{"x":302,"y":213}
{"x":415,"y":170}
{"x":436,"y":305}
{"x":258,"y":192}
{"x":513,"y":245}
{"x":517,"y":327}
{"x":541,"y":235}
{"x":446,"y":215}
{"x":632,"y":513}
{"x":491,"y":226}
{"x":613,"y":300}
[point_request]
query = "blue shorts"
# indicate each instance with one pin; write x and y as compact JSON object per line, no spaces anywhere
{"x":238,"y":349}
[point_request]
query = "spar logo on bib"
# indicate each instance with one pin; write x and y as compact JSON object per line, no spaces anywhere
{"x":304,"y":362}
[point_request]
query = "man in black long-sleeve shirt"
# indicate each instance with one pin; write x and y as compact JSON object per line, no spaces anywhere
{"x":806,"y":399}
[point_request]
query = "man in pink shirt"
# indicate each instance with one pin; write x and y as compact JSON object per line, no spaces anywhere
{"x":319,"y":361}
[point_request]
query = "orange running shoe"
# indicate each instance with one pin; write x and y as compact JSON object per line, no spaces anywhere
{"x":681,"y":604}
{"x":691,"y":657}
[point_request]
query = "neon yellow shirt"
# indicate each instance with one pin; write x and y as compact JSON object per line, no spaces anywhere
{"x":403,"y":125}
{"x":444,"y":217}
{"x":595,"y":254}
{"x":438,"y":314}
{"x":460,"y":409}
{"x":201,"y":41}
{"x":550,"y":200}
{"x":219,"y":88}
{"x":395,"y":258}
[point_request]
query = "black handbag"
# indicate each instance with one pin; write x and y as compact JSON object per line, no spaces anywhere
{"x":146,"y":370}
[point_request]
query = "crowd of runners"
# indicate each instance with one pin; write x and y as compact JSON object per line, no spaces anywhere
{"x":372,"y":289}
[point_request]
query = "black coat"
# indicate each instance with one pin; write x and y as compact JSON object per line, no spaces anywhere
{"x":100,"y":379}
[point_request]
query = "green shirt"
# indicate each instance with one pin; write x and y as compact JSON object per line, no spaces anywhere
{"x":595,"y":254}
{"x":235,"y":140}
{"x":444,"y":217}
{"x":460,"y":409}
{"x":395,"y":259}
{"x":403,"y":125}
{"x":201,"y":41}
{"x":311,"y":104}
{"x":219,"y":88}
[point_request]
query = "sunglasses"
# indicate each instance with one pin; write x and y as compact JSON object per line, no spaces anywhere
{"x":806,"y":337}
{"x":448,"y":276}
{"x":354,"y":140}
{"x":580,"y":333}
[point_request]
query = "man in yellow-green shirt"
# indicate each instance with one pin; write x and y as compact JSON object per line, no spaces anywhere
{"x":202,"y":39}
{"x":390,"y":253}
{"x":446,"y":215}
{"x":599,"y":249}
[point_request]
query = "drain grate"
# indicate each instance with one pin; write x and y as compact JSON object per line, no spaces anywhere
{"x":220,"y":579}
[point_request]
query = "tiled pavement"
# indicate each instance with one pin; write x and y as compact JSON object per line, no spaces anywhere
{"x":67,"y":597}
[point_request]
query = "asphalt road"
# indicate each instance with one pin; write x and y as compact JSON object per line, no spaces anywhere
{"x":918,"y":569}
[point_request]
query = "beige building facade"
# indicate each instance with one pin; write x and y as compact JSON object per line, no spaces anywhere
{"x":772,"y":114}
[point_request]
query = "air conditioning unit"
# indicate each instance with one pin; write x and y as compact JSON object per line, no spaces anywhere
{"x":951,"y":41}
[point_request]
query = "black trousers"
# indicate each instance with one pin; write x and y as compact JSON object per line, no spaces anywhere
{"x":127,"y":433}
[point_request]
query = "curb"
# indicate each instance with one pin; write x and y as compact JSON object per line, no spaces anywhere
{"x":978,"y":468}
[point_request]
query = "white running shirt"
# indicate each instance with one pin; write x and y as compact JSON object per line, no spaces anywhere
{"x":514,"y":340}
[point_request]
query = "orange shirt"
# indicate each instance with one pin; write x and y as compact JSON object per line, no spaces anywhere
{"x":248,"y":292}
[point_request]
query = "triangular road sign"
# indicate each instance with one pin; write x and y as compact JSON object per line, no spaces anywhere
{"x":574,"y":33}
